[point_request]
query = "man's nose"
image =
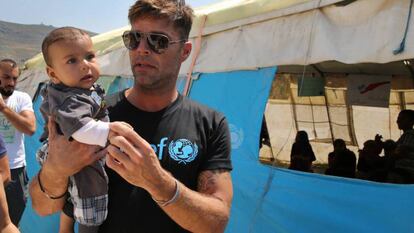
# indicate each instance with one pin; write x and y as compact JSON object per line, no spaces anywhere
{"x":11,"y":82}
{"x":143,"y":46}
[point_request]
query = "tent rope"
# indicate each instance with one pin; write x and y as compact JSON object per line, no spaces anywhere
{"x":402,"y":44}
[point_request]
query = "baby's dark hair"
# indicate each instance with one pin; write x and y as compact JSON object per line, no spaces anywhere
{"x":63,"y":33}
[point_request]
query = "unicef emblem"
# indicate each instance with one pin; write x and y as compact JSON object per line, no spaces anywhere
{"x":183,"y":151}
{"x":237,"y":136}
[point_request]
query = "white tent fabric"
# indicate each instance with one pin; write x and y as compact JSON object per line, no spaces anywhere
{"x":363,"y":31}
{"x":303,"y":33}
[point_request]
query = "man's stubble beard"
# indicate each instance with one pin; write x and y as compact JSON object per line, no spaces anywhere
{"x":160,"y":86}
{"x":5,"y":92}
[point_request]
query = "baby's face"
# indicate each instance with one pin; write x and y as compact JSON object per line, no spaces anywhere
{"x":73,"y":63}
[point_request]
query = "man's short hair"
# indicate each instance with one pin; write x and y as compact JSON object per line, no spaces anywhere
{"x":12,"y":63}
{"x":176,"y":11}
{"x":409,"y":114}
{"x":63,"y":33}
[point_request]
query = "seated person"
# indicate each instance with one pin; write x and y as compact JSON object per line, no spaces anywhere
{"x":342,"y":161}
{"x":370,"y":165}
{"x":300,"y":163}
{"x":301,"y":154}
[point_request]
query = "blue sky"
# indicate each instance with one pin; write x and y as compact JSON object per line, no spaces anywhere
{"x":93,"y":15}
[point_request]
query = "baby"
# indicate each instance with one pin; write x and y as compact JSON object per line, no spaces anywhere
{"x":76,"y":104}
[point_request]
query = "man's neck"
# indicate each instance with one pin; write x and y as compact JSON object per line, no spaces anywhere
{"x":408,"y":129}
{"x":150,"y":101}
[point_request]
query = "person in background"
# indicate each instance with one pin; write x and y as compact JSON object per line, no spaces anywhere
{"x":405,"y":122}
{"x":4,"y":163}
{"x":17,"y":117}
{"x":342,"y":161}
{"x":6,"y":225}
{"x":370,"y":164}
{"x":399,"y":156}
{"x":403,"y":169}
{"x":301,"y":154}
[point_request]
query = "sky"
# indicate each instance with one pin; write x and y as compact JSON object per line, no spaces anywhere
{"x":92,"y":15}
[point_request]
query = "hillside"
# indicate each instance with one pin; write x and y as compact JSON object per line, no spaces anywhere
{"x":20,"y":41}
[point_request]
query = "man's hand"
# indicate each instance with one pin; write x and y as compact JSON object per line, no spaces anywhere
{"x":69,"y":157}
{"x":117,"y":125}
{"x":133,"y":158}
{"x":64,"y":159}
{"x":378,"y":138}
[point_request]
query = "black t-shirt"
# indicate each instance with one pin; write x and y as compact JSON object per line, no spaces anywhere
{"x":187,"y":137}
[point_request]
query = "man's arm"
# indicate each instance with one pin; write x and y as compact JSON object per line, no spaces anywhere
{"x":207,"y":210}
{"x":6,"y":226}
{"x":5,"y":169}
{"x":24,"y":122}
{"x":64,"y":159}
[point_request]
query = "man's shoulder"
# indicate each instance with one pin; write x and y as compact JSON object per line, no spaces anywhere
{"x":350,"y":153}
{"x":195,"y":106}
{"x":409,"y":132}
{"x":112,"y":99}
{"x":407,"y":135}
{"x":20,"y":101}
{"x":20,"y":94}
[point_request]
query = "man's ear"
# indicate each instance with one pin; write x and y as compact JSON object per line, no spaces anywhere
{"x":52,"y":75}
{"x":186,"y":51}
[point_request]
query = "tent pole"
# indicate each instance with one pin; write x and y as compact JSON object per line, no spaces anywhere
{"x":402,"y":100}
{"x":293,"y":104}
{"x":329,"y":115}
{"x":351,"y":127}
{"x":313,"y":118}
{"x":326,"y":101}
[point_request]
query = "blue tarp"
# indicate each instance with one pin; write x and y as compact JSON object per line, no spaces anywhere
{"x":268,"y":199}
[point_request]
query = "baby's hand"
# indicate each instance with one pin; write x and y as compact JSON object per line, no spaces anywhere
{"x":115,"y":125}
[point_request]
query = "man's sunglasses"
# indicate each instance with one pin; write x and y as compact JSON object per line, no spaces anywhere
{"x":157,"y":42}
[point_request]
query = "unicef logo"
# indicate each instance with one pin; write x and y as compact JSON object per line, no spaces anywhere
{"x":183,"y":151}
{"x":237,"y":136}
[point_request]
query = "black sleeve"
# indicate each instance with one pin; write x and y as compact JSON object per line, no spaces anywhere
{"x":219,"y":148}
